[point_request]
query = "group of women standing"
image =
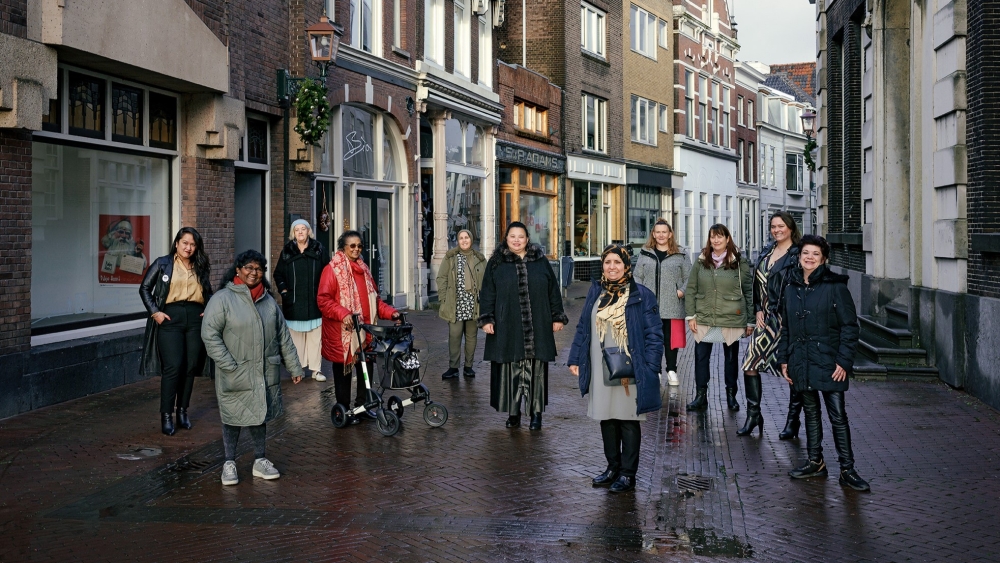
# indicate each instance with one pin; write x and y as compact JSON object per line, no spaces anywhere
{"x":240,"y":328}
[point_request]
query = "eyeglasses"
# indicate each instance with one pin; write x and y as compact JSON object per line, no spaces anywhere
{"x":355,"y":245}
{"x":253,"y":269}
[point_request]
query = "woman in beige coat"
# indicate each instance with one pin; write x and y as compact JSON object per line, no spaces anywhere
{"x":458,"y":282}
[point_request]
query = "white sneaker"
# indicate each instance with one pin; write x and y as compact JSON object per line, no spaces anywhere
{"x":672,"y":379}
{"x":264,"y":469}
{"x":229,"y":476}
{"x":319,"y":376}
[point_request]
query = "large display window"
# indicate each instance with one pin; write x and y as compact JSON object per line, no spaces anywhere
{"x":590,"y":218}
{"x":464,"y":194}
{"x":529,"y":196}
{"x":98,"y":219}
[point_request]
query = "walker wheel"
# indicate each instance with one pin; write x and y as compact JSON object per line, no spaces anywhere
{"x":387,"y":422}
{"x":435,"y":414}
{"x":395,"y":404}
{"x":339,"y":415}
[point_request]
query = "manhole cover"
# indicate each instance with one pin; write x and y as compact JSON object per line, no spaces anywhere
{"x":185,"y":465}
{"x":136,"y":453}
{"x":693,"y":483}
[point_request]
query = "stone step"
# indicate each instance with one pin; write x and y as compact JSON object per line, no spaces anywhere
{"x":897,"y":316}
{"x":877,"y":333}
{"x":889,"y":356}
{"x":865,"y":368}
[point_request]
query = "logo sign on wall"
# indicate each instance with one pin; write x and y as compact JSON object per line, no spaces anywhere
{"x":514,"y":154}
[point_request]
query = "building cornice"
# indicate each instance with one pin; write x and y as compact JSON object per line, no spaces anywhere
{"x":356,"y":60}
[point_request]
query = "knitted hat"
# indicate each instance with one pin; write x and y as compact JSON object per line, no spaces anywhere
{"x":298,"y":222}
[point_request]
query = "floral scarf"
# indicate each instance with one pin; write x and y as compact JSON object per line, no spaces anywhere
{"x":350,"y":299}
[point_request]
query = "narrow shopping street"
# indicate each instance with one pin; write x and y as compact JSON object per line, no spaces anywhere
{"x":94,"y":480}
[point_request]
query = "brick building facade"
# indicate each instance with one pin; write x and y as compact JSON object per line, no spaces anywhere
{"x":748,"y":223}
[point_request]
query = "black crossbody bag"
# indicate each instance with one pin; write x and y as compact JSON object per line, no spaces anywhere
{"x":618,"y":363}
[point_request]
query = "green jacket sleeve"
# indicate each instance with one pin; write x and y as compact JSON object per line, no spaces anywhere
{"x":746,"y":282}
{"x":289,"y":355}
{"x":212,"y":326}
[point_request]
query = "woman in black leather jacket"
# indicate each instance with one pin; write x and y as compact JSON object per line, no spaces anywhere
{"x":174,"y":290}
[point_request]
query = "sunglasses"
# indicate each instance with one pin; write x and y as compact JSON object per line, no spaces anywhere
{"x":355,"y":245}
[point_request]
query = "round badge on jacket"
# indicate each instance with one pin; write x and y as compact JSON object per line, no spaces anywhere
{"x":165,"y":278}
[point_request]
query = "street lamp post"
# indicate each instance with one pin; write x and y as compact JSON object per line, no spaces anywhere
{"x":808,"y":118}
{"x":324,"y":42}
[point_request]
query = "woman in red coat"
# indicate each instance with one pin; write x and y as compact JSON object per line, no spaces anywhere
{"x":346,"y":287}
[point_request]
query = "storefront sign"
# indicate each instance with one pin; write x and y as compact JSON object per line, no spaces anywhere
{"x":521,"y":156}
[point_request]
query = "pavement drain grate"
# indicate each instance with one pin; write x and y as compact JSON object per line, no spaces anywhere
{"x":693,"y":483}
{"x":185,"y":465}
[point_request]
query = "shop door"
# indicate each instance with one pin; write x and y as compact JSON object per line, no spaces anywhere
{"x":249,"y":221}
{"x":375,"y":226}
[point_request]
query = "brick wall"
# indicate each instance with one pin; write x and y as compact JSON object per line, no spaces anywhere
{"x":519,"y":84}
{"x":650,"y":79}
{"x":983,"y":194}
{"x":15,"y":241}
{"x":14,"y":17}
{"x":213,"y":13}
{"x":258,"y":47}
{"x":208,"y":190}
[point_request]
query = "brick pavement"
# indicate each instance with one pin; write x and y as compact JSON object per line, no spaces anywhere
{"x":94,"y":480}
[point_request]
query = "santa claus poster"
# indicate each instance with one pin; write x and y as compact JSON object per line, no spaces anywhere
{"x":121,"y":244}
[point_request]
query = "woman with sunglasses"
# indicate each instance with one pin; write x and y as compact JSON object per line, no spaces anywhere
{"x":246,"y":336}
{"x":346,"y":288}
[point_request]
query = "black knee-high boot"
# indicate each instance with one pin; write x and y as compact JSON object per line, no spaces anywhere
{"x":792,"y":423}
{"x":752,"y":387}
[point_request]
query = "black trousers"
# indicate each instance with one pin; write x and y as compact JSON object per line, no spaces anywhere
{"x":342,"y":383}
{"x":182,"y":353}
{"x":671,"y":355}
{"x":621,"y":445}
{"x":702,"y":353}
{"x":837,"y":413}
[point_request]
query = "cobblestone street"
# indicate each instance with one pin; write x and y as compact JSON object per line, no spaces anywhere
{"x":94,"y":480}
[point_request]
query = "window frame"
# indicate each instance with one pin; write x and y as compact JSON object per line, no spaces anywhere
{"x":539,"y":118}
{"x":739,"y":110}
{"x":649,"y":107}
{"x":643,"y":44}
{"x":434,"y":32}
{"x":599,"y":32}
{"x":486,"y":59}
{"x":664,"y":118}
{"x":462,"y":44}
{"x":600,"y":124}
{"x":357,"y":23}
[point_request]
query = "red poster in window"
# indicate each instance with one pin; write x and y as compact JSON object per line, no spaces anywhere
{"x":121,"y":249}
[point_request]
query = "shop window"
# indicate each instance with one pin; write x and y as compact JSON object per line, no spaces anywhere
{"x":359,"y":132}
{"x":588,"y":219}
{"x":464,"y":196}
{"x":536,"y":212}
{"x":162,"y":121}
{"x":257,"y":141}
{"x":98,"y":218}
{"x":531,"y":118}
{"x":126,"y":114}
{"x":86,"y":105}
{"x":454,"y":141}
{"x":643,"y":211}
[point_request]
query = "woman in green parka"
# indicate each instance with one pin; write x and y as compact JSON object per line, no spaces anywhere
{"x":719,"y":305}
{"x":245,"y":333}
{"x":458,"y":283}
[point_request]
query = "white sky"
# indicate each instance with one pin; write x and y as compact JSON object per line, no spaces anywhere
{"x":775,"y":31}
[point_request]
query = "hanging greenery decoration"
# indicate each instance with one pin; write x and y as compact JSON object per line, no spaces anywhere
{"x":312,"y":111}
{"x":810,"y":147}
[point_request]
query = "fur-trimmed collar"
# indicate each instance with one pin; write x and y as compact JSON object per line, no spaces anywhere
{"x":823,"y":274}
{"x":292,"y":248}
{"x":534,"y":252}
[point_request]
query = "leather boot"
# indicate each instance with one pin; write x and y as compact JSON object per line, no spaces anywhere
{"x":752,"y":387}
{"x":812,"y":468}
{"x":814,"y":424}
{"x":605,"y":479}
{"x":536,"y":422}
{"x":731,"y":399}
{"x":841,"y":428}
{"x":167,"y":423}
{"x":700,"y":401}
{"x":791,"y":429}
{"x":182,"y":419}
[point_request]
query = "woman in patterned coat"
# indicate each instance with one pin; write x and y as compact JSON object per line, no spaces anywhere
{"x":458,"y":283}
{"x":770,"y":275}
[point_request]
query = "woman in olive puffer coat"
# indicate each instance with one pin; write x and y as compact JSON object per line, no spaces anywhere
{"x":245,"y":333}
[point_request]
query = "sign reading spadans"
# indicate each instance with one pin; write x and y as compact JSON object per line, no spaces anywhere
{"x":514,"y":154}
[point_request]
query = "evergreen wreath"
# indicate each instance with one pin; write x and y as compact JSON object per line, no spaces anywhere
{"x":312,"y":111}
{"x":809,"y":148}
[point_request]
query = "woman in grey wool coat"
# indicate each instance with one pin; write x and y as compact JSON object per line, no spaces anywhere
{"x":245,"y":333}
{"x":663,"y":267}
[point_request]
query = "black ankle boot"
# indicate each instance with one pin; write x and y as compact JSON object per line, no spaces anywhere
{"x":605,"y":479}
{"x":182,"y":419}
{"x":731,"y":399}
{"x":513,"y":421}
{"x":700,"y":401}
{"x":752,"y":386}
{"x":536,"y":422}
{"x":167,"y":421}
{"x":792,"y":423}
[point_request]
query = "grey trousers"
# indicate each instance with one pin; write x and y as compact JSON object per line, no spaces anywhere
{"x":455,"y":332}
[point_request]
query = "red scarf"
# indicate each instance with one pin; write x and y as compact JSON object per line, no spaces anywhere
{"x":256,"y":292}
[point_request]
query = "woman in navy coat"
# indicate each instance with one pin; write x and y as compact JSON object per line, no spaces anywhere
{"x":621,"y":314}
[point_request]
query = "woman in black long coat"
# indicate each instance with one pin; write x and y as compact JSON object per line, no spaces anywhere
{"x":520,"y":310}
{"x":819,"y":334}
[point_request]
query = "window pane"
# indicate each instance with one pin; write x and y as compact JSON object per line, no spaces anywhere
{"x":97,"y":218}
{"x":86,"y":105}
{"x":536,"y":214}
{"x":426,"y":139}
{"x":257,"y":141}
{"x":463,"y":195}
{"x":359,"y":133}
{"x":388,"y":155}
{"x":453,"y":141}
{"x":162,"y":121}
{"x":635,"y":131}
